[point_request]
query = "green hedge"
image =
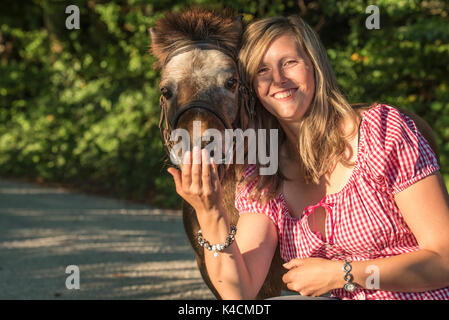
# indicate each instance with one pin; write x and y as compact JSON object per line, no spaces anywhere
{"x":80,"y":107}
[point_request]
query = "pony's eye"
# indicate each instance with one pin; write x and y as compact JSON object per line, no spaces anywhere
{"x":166,"y":92}
{"x":231,"y":83}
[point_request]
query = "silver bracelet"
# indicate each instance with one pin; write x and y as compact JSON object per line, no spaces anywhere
{"x":349,"y":285}
{"x":219,"y":247}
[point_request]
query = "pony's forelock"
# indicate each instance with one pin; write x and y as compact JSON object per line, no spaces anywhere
{"x":182,"y":28}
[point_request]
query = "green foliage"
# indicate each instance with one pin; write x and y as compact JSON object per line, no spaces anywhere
{"x":80,"y":107}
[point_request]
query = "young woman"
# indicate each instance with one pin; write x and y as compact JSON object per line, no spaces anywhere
{"x":362,"y":193}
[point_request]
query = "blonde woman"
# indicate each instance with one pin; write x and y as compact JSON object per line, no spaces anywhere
{"x":362,"y":214}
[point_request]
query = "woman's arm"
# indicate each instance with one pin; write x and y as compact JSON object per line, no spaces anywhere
{"x":424,"y":208}
{"x":240,"y":270}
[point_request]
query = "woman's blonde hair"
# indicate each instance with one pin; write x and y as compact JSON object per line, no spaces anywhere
{"x":322,"y":141}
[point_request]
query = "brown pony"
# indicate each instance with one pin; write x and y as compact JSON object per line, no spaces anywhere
{"x":197,"y":51}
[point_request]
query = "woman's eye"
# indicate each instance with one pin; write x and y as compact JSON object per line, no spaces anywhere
{"x":261,"y":71}
{"x":290,"y":62}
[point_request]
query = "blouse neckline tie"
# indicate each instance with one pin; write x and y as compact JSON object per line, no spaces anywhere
{"x":328,"y":208}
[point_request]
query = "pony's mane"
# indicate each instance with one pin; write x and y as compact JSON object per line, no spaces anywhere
{"x":176,"y":29}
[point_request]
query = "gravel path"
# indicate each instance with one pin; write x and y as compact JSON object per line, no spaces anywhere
{"x":123,"y":250}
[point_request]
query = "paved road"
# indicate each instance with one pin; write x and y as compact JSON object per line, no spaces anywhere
{"x":123,"y":250}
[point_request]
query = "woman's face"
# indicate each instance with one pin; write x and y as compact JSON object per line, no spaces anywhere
{"x":284,"y":81}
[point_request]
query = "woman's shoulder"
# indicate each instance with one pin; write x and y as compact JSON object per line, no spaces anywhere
{"x":245,"y":202}
{"x":393,"y":148}
{"x":382,"y":131}
{"x":247,"y":181}
{"x":385,"y":123}
{"x":249,"y":170}
{"x":381,"y":111}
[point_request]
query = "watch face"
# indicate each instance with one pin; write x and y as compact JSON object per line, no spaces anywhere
{"x":350,"y":287}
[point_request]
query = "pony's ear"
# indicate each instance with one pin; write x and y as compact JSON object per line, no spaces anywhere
{"x":153,"y":33}
{"x":237,"y":24}
{"x":156,"y":47}
{"x":235,"y":31}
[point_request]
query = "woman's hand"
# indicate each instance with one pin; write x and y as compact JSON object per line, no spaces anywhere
{"x":198,"y":181}
{"x":311,"y":276}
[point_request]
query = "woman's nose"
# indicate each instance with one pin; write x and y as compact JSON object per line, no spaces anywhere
{"x":279,"y":76}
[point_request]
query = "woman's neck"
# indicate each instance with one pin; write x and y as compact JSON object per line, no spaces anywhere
{"x":291,"y":131}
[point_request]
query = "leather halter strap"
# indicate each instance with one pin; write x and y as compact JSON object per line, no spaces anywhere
{"x":201,"y":45}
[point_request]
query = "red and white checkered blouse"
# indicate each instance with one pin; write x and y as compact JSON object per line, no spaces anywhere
{"x":362,"y":220}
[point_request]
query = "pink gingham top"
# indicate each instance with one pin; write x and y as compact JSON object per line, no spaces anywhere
{"x":362,"y":220}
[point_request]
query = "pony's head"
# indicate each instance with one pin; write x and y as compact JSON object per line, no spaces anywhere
{"x":197,"y":52}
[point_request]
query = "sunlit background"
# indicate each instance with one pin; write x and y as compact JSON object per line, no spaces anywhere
{"x":80,"y":107}
{"x":79,"y":111}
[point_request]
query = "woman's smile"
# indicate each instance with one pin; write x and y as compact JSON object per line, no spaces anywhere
{"x":284,"y":95}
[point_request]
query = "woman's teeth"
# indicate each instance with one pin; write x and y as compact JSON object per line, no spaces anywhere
{"x":284,"y":94}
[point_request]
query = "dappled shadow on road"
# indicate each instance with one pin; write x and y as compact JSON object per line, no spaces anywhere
{"x":123,"y":250}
